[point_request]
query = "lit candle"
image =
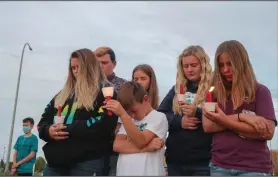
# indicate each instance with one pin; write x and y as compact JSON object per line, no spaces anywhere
{"x":209,"y":95}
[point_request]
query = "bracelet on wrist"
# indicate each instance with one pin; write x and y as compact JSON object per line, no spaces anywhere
{"x":238,"y":117}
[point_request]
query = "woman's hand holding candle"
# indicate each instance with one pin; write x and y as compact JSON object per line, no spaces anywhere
{"x":189,"y":109}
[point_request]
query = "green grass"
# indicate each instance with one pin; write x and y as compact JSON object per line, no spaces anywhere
{"x":36,"y":174}
{"x":2,"y":174}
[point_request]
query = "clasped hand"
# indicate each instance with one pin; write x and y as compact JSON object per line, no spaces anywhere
{"x":56,"y":132}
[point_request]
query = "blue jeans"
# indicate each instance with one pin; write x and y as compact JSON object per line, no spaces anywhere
{"x":188,"y":170}
{"x":87,"y":168}
{"x":113,"y":165}
{"x":219,"y":171}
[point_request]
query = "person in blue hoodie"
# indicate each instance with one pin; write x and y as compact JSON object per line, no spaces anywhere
{"x":188,"y":147}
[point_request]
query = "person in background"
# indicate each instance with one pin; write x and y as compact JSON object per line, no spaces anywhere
{"x":141,"y":139}
{"x":244,"y":117}
{"x":79,"y":145}
{"x":188,"y":146}
{"x":26,"y":148}
{"x":144,"y":75}
{"x":107,"y":58}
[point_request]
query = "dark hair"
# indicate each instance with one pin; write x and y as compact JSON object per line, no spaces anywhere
{"x":101,"y":51}
{"x":29,"y":119}
{"x":129,"y":93}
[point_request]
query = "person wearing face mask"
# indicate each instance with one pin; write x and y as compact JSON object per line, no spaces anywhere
{"x":26,"y":147}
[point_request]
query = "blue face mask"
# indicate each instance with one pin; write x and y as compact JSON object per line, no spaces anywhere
{"x":26,"y":129}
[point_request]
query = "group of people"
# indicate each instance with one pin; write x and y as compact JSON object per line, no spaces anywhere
{"x":133,"y":141}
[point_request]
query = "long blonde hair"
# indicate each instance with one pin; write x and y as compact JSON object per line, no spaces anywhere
{"x":153,"y":89}
{"x":87,"y":83}
{"x":244,"y":84}
{"x":204,"y":83}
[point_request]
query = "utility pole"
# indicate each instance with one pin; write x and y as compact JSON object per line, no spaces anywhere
{"x":14,"y":110}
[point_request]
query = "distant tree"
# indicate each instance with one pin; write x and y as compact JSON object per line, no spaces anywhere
{"x":10,"y":165}
{"x":40,"y":164}
{"x":2,"y":164}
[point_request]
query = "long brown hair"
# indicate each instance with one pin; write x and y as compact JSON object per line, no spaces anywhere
{"x":244,"y":82}
{"x":204,"y":83}
{"x":153,"y":89}
{"x":87,"y":83}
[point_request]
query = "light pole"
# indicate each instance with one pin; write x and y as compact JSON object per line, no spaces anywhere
{"x":14,"y":111}
{"x":4,"y":151}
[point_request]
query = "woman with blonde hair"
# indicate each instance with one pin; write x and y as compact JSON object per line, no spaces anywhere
{"x":188,"y":147}
{"x":144,"y":75}
{"x":78,"y":145}
{"x":244,"y":118}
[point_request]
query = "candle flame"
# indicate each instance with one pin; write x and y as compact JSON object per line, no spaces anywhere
{"x":211,"y":89}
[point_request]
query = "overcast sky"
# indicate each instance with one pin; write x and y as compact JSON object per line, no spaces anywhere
{"x":139,"y":32}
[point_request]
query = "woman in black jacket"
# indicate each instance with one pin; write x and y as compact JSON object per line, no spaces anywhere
{"x":79,"y":145}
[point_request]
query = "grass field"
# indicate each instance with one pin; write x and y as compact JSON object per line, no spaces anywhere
{"x":36,"y":174}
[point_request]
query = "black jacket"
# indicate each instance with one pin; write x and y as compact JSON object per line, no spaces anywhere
{"x":91,"y":133}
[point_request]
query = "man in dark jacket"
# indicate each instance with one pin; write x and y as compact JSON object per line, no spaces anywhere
{"x":107,"y":58}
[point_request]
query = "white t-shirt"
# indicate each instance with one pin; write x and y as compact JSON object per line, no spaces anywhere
{"x":146,"y":163}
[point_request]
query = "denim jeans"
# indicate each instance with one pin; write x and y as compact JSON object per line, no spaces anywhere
{"x":219,"y":171}
{"x":113,"y":165}
{"x":24,"y":174}
{"x":87,"y":168}
{"x":188,"y":170}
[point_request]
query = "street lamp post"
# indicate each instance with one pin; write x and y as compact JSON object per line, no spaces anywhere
{"x":14,"y":111}
{"x":4,"y":151}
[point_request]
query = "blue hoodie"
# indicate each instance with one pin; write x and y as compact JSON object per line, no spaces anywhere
{"x":185,"y":147}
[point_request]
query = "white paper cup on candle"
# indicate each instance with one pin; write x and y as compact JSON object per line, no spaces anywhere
{"x":59,"y":119}
{"x":210,"y":106}
{"x":108,"y":91}
{"x":181,"y":97}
